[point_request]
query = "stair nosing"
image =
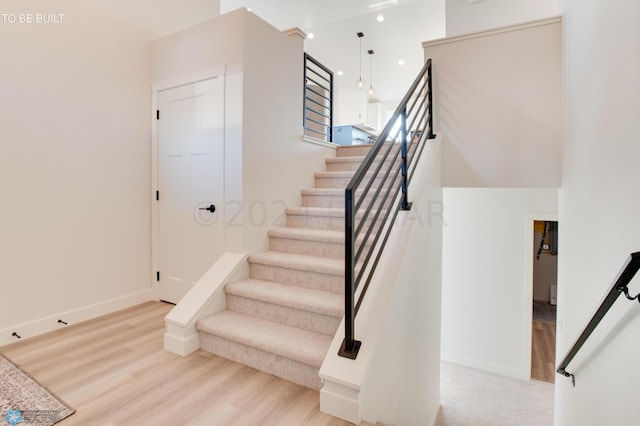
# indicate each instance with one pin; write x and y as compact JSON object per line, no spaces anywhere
{"x":307,"y":234}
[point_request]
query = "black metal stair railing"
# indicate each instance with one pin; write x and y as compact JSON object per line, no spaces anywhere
{"x":318,"y":100}
{"x":378,"y":191}
{"x":620,"y":286}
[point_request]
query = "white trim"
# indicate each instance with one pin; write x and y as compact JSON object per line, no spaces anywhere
{"x":494,"y":31}
{"x":295,"y":32}
{"x":193,"y":78}
{"x":154,"y":202}
{"x":436,"y":415}
{"x":527,"y":302}
{"x":50,"y":323}
{"x":486,"y":366}
{"x":341,"y":401}
{"x":156,"y":88}
{"x":320,"y":142}
{"x":206,"y":297}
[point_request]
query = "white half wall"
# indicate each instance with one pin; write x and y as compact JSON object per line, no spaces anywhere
{"x":497,"y":98}
{"x":486,"y":283}
{"x":277,"y":164}
{"x":75,"y":166}
{"x":266,"y":162}
{"x":396,"y":377}
{"x":599,"y":210}
{"x":465,"y":16}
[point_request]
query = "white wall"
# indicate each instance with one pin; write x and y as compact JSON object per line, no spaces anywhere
{"x":464,"y":17}
{"x":497,"y":98}
{"x":486,"y":289}
{"x":403,"y":382}
{"x":75,"y":167}
{"x":197,"y":52}
{"x":266,"y":162}
{"x":276,"y":163}
{"x":599,"y":209}
{"x":396,"y":377}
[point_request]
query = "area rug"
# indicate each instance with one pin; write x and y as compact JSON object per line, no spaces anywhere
{"x":24,"y":401}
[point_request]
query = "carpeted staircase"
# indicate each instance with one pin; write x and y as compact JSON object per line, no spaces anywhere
{"x":282,"y":319}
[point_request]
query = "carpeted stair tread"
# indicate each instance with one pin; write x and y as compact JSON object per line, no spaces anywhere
{"x":290,"y":342}
{"x":300,"y":262}
{"x":306,"y":234}
{"x":321,"y":302}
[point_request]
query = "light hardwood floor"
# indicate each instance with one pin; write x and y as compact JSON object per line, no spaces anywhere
{"x":543,"y":353}
{"x":114,"y":371}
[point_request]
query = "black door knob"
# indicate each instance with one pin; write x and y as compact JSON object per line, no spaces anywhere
{"x":211,"y":208}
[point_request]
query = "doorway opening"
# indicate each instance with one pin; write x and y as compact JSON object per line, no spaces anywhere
{"x":545,"y":279}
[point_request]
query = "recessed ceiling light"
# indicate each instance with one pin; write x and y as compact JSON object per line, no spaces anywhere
{"x":380,"y":18}
{"x":400,"y":62}
{"x":310,"y":35}
{"x":340,"y":73}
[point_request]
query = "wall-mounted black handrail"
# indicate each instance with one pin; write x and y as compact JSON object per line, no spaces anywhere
{"x":620,"y":286}
{"x":318,"y":100}
{"x":378,"y":191}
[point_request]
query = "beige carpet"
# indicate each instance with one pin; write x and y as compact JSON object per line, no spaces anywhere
{"x":470,"y":397}
{"x":23,"y":401}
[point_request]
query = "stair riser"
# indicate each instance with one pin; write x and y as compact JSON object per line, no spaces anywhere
{"x":348,"y":166}
{"x":285,"y":368}
{"x":306,"y":279}
{"x":330,"y":223}
{"x":306,"y":320}
{"x":310,"y":248}
{"x":340,"y":182}
{"x":353,"y":151}
{"x":331,"y":201}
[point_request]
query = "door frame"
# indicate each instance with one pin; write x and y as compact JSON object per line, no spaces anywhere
{"x":156,"y":88}
{"x":528,"y":277}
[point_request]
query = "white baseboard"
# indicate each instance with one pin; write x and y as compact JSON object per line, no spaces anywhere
{"x":486,"y":367}
{"x":182,"y":347}
{"x":340,"y":401}
{"x":50,"y":323}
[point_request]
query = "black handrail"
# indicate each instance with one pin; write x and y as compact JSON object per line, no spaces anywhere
{"x":318,"y":100}
{"x":620,"y":286}
{"x":378,"y":191}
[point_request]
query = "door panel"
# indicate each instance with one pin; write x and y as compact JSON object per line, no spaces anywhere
{"x":191,"y":173}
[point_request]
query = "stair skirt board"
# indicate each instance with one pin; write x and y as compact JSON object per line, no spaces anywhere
{"x":297,"y":372}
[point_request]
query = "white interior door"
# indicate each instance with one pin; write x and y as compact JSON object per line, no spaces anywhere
{"x":191,"y":173}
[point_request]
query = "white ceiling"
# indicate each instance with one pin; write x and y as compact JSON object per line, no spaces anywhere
{"x":334,"y":23}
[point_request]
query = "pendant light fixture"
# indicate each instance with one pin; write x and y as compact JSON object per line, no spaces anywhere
{"x":370,"y":72}
{"x":360,"y":83}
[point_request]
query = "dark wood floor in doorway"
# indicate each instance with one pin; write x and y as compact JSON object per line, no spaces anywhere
{"x":543,"y":353}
